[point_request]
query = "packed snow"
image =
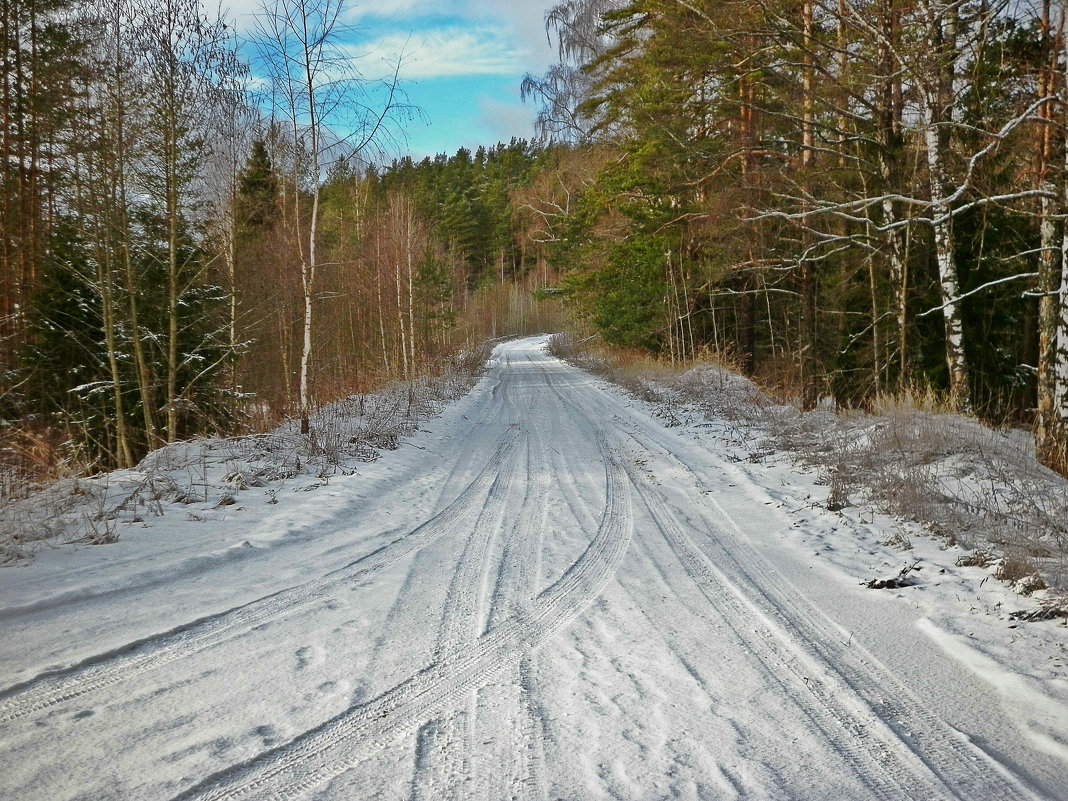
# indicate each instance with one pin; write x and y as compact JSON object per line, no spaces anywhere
{"x":543,"y":593}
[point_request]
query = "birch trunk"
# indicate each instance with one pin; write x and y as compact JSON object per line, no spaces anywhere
{"x":1056,"y":454}
{"x":111,"y":223}
{"x":107,"y":308}
{"x":942,"y":224}
{"x":307,"y":266}
{"x":807,"y":328}
{"x":119,"y":92}
{"x":381,"y":308}
{"x":307,"y":276}
{"x":1060,"y":369}
{"x":1049,"y":266}
{"x":172,"y":278}
{"x":937,"y":110}
{"x":400,"y":303}
{"x":889,"y":140}
{"x":411,"y":293}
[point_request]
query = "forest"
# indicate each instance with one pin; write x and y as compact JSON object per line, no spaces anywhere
{"x":851,"y":198}
{"x":187,"y":252}
{"x":844,"y":199}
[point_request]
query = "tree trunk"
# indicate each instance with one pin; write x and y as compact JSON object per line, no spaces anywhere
{"x":959,"y":388}
{"x":381,"y":306}
{"x":124,"y":455}
{"x":307,"y":275}
{"x":1049,"y":268}
{"x":400,"y":294}
{"x":172,"y":279}
{"x":1053,"y":450}
{"x":807,"y":328}
{"x":937,"y":110}
{"x":411,"y":293}
{"x":307,"y":272}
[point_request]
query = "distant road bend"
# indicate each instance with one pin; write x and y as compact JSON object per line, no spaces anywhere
{"x":559,"y":598}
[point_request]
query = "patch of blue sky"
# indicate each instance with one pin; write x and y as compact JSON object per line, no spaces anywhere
{"x":465,"y":111}
{"x":461,"y":63}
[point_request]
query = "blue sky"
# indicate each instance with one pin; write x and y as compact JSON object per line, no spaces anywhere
{"x":464,"y":60}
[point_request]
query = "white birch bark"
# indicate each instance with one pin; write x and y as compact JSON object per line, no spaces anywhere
{"x":381,"y":308}
{"x":1046,"y":434}
{"x":947,"y":274}
{"x":1060,"y":370}
{"x":937,"y":103}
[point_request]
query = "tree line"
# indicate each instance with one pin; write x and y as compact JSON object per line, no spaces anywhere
{"x":851,"y":197}
{"x":181,"y":254}
{"x":848,"y":197}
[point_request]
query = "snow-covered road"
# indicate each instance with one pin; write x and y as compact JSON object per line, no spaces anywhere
{"x":547,"y":595}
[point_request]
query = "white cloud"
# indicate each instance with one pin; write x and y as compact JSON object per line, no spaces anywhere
{"x":524,"y":21}
{"x":505,"y":120}
{"x":448,"y":52}
{"x":519,"y":22}
{"x":448,"y":37}
{"x":391,"y":9}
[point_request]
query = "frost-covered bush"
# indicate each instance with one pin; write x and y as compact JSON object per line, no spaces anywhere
{"x":210,"y":470}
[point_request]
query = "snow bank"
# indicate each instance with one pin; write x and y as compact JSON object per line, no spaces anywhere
{"x":194,"y":480}
{"x":967,"y":484}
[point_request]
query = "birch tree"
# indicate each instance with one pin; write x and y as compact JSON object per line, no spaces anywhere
{"x":332,"y":112}
{"x":566,"y":85}
{"x":1052,"y":440}
{"x":101,"y":199}
{"x":1051,"y":433}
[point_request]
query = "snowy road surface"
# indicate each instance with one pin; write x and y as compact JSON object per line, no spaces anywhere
{"x":546,"y":595}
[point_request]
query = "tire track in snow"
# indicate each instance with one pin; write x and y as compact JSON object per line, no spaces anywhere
{"x":516,"y":583}
{"x":953,"y":765}
{"x":503,"y":718}
{"x":535,"y":785}
{"x":563,"y":468}
{"x":508,"y":546}
{"x":960,"y":768}
{"x":488,"y":416}
{"x":344,"y":741}
{"x":448,"y":768}
{"x":460,"y":617}
{"x":870,"y":754}
{"x":417,"y":597}
{"x":110,"y":668}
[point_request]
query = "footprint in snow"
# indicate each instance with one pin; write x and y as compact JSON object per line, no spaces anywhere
{"x":303,"y":657}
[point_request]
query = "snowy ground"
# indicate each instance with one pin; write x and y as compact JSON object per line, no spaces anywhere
{"x":546,"y":594}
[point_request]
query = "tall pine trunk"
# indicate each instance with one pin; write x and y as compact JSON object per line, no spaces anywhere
{"x":807,"y":327}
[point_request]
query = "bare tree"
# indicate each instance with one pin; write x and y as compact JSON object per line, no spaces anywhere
{"x":332,"y":113}
{"x":101,"y":196}
{"x":185,"y":58}
{"x":566,"y":85}
{"x":231,"y":130}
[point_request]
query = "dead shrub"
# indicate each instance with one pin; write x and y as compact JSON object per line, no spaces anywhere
{"x":1013,"y":569}
{"x":978,"y":558}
